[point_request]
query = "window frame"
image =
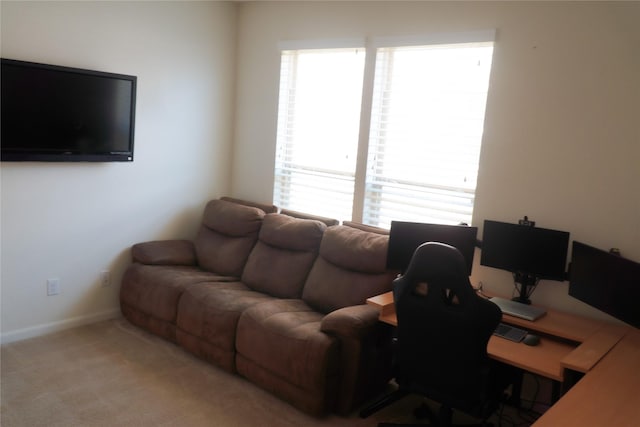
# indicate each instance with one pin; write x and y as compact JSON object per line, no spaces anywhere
{"x":371,"y":48}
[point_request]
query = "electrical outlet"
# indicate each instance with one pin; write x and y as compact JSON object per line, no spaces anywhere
{"x":53,"y":287}
{"x":105,"y":278}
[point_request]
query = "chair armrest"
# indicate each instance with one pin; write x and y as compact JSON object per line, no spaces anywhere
{"x":164,"y":252}
{"x":350,"y":322}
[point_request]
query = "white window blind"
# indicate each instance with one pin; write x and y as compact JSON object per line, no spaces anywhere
{"x":318,"y":123}
{"x":411,"y":154}
{"x":426,"y":130}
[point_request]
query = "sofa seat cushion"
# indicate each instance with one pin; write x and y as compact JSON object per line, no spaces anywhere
{"x":208,"y":316}
{"x":227,"y":234}
{"x":156,"y":289}
{"x":281,"y":259}
{"x":284,"y":338}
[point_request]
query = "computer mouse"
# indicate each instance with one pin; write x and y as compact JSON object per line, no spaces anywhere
{"x":531,"y":339}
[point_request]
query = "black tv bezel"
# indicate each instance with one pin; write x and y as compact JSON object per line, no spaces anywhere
{"x":406,"y":236}
{"x":15,"y":155}
{"x":491,"y":258}
{"x":605,"y":281}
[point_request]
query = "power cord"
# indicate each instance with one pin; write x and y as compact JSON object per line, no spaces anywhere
{"x":525,"y":414}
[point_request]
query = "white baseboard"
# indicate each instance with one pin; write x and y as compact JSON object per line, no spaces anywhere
{"x":48,"y":328}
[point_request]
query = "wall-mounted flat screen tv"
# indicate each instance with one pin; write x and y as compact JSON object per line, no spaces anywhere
{"x":53,"y":113}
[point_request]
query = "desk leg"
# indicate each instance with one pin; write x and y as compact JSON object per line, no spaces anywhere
{"x":516,"y":389}
{"x":556,"y":391}
{"x":570,"y":379}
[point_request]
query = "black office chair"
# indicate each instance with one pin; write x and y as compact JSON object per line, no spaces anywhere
{"x":442,"y":335}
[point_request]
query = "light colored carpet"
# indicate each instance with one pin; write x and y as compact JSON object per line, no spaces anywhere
{"x":114,"y":374}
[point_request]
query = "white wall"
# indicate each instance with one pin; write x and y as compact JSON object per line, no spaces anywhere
{"x":562,"y":134}
{"x":71,"y":221}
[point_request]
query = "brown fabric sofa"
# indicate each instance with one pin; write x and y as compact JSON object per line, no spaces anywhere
{"x":161,"y":270}
{"x":277,"y":299}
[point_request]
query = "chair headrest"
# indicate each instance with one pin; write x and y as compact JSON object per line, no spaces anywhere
{"x":439,"y":265}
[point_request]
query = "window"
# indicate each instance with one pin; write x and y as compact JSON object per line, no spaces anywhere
{"x":318,"y":123}
{"x":419,"y":132}
{"x":426,"y":130}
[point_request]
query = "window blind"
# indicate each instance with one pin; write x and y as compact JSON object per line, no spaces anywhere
{"x":317,"y":133}
{"x":425,"y":133}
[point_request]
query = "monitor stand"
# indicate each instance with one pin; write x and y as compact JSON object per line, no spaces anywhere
{"x":527,"y":283}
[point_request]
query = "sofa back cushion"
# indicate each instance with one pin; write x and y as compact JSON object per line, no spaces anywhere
{"x":350,"y":268}
{"x":267,"y":208}
{"x":366,"y":227}
{"x":296,"y":214}
{"x":281,"y":259}
{"x":227,"y":234}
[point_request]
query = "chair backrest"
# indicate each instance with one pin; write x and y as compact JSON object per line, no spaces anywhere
{"x":443,"y":328}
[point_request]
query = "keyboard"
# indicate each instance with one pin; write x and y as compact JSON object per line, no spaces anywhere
{"x":510,"y":332}
{"x":518,"y":309}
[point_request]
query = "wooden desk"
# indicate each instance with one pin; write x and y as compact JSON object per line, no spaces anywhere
{"x":608,"y":355}
{"x":567,"y":341}
{"x":608,"y":395}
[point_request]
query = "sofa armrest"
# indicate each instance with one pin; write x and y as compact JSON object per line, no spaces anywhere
{"x":350,"y":322}
{"x":365,"y":355}
{"x":164,"y":252}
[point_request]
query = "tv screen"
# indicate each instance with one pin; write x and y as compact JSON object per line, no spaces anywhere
{"x":54,"y":113}
{"x":405,"y":237}
{"x":535,"y":251}
{"x":605,"y":281}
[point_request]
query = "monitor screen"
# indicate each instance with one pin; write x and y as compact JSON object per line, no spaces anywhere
{"x":538,"y":252}
{"x":55,"y":113}
{"x":606,"y":281}
{"x":405,"y":237}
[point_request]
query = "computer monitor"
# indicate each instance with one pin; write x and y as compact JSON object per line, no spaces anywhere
{"x":405,"y":237}
{"x":530,"y":253}
{"x":606,"y":281}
